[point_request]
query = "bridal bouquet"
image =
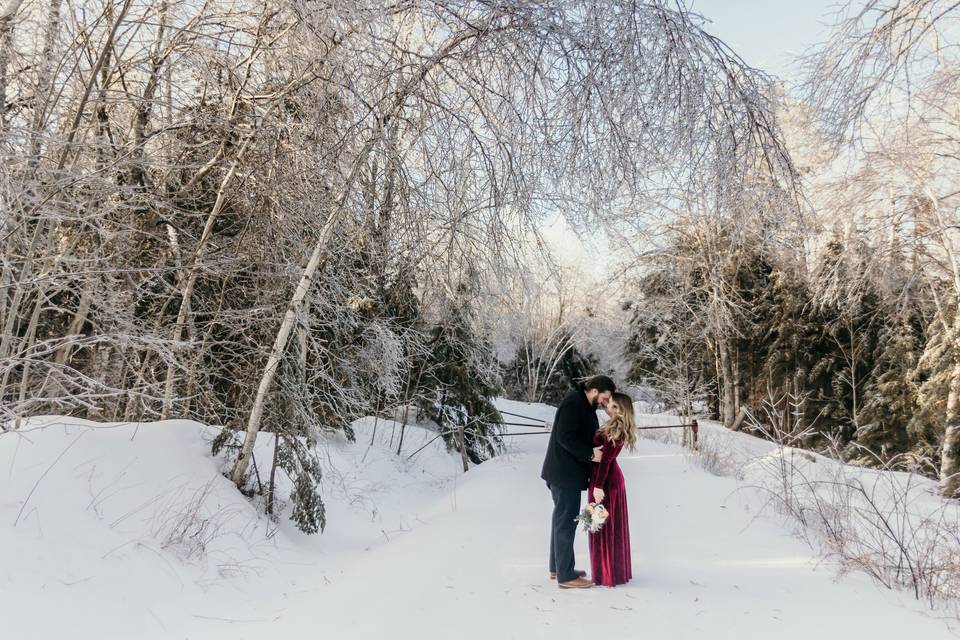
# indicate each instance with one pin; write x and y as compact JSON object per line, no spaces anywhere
{"x":593,"y":516}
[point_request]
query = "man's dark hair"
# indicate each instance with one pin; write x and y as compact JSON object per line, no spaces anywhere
{"x":600,"y":383}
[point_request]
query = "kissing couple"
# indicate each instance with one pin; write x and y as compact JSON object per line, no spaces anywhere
{"x":583,"y":455}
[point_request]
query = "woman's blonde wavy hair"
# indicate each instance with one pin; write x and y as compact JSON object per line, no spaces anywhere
{"x":623,"y":428}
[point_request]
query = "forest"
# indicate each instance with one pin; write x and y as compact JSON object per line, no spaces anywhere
{"x":280,"y":217}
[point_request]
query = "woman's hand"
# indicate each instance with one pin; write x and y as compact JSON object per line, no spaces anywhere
{"x":598,"y":495}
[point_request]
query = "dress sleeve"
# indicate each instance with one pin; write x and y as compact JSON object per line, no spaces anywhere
{"x":610,"y":453}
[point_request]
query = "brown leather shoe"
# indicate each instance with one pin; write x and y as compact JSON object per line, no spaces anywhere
{"x":576,"y":583}
{"x":577,"y":573}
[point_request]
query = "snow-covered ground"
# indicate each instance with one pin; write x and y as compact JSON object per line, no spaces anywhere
{"x":127,"y":531}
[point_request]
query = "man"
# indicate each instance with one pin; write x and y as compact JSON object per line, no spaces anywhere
{"x":566,"y":468}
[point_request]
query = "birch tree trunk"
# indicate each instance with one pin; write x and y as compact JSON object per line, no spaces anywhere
{"x":7,"y":15}
{"x":728,"y":388}
{"x":44,"y":80}
{"x":276,"y":352}
{"x":950,"y":455}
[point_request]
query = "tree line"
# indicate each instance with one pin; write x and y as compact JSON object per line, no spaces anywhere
{"x":838,"y":316}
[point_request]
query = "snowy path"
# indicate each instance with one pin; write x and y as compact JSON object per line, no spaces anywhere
{"x":409,"y":552}
{"x":704,"y":567}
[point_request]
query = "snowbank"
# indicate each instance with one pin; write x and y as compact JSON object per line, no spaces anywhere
{"x":135,"y":524}
{"x":891,"y":525}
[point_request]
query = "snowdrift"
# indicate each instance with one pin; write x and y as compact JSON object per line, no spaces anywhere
{"x":134,"y":526}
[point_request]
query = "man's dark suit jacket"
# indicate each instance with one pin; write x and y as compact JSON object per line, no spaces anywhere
{"x":567,"y":463}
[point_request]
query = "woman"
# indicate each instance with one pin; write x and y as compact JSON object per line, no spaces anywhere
{"x":610,"y":546}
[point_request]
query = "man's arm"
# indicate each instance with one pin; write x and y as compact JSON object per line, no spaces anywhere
{"x":588,"y":428}
{"x":570,"y":434}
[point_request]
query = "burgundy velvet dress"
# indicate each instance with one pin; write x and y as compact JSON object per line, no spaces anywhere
{"x":610,"y":547}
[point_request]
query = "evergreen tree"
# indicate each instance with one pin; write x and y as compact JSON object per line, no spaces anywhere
{"x":459,"y":381}
{"x":850,"y":312}
{"x":792,"y":339}
{"x":890,"y":398}
{"x":571,"y":367}
{"x":932,"y":379}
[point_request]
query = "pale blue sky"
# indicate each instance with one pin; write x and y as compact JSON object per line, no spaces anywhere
{"x":768,"y":34}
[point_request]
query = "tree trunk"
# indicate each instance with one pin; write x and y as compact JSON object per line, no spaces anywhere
{"x":278,"y":349}
{"x":27,"y":344}
{"x":44,"y":81}
{"x":463,"y":448}
{"x":855,"y":407}
{"x":737,"y":383}
{"x":950,"y":454}
{"x":7,"y":15}
{"x":6,"y":282}
{"x":716,"y":398}
{"x":738,"y":422}
{"x":728,"y":390}
{"x":76,"y":325}
{"x":273,"y":474}
{"x":145,"y":105}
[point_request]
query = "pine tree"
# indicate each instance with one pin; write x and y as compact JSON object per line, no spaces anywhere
{"x":850,"y":311}
{"x":572,"y":367}
{"x":932,"y":379}
{"x":792,"y":340}
{"x":308,"y":511}
{"x":460,"y":380}
{"x":890,"y":398}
